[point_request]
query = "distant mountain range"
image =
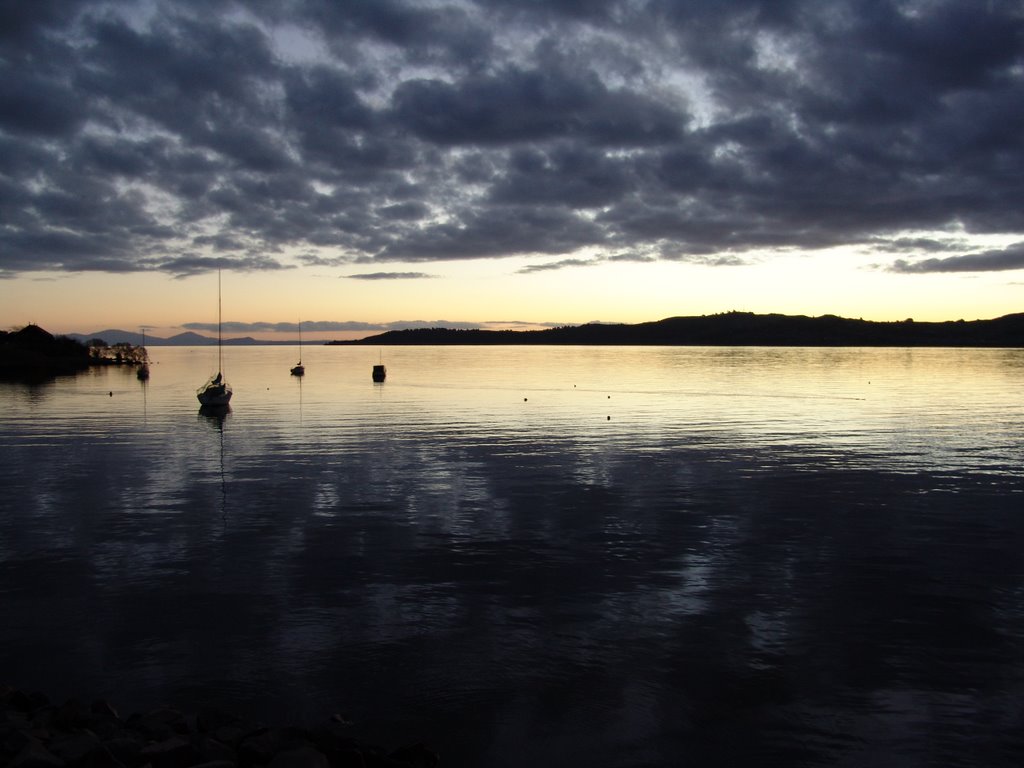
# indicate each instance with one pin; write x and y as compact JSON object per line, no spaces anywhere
{"x":187,"y":339}
{"x":739,"y":329}
{"x":726,"y":329}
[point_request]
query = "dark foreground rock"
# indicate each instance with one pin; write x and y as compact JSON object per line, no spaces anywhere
{"x":36,"y":733}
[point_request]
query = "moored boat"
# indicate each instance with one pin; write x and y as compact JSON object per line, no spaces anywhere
{"x":143,"y":373}
{"x":379,"y":371}
{"x":216,"y":391}
{"x":299,"y":369}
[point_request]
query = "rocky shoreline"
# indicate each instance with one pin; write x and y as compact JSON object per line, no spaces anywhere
{"x":36,"y":733}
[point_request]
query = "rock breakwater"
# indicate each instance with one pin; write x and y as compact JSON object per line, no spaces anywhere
{"x":36,"y":733}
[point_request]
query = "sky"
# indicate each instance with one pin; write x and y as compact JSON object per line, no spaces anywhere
{"x":362,"y":165}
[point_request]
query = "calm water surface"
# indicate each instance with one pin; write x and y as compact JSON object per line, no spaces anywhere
{"x":537,"y":556}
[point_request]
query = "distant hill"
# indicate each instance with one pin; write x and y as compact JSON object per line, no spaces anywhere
{"x":187,"y":339}
{"x":738,"y":329}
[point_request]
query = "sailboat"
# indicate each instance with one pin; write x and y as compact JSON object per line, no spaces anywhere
{"x":143,"y":373}
{"x":300,"y":369}
{"x":216,"y":391}
{"x":379,"y":371}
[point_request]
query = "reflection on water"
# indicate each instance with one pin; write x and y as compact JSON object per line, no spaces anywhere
{"x":606,"y":557}
{"x":215,"y":416}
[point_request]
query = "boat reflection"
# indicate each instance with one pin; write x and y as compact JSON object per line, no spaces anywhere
{"x":215,"y":417}
{"x":215,"y":414}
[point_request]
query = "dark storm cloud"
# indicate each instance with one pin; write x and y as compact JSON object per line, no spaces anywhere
{"x":391,"y":276}
{"x":314,"y":326}
{"x":638,"y":258}
{"x":36,"y":106}
{"x":514,"y":106}
{"x":998,"y":259}
{"x":179,"y":137}
{"x":188,"y":265}
{"x":310,"y":326}
{"x":556,"y":265}
{"x":401,"y":325}
{"x":521,"y":323}
{"x":919,"y":245}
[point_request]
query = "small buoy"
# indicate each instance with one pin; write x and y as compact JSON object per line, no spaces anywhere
{"x":524,"y":399}
{"x":609,"y":397}
{"x":110,"y":393}
{"x":609,"y":418}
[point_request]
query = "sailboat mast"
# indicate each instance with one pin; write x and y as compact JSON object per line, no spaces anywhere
{"x":220,"y":359}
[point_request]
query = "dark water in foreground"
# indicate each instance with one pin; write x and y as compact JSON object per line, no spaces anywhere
{"x":538,"y":557}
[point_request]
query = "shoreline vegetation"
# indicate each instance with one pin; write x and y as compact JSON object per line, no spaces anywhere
{"x":736,"y":329}
{"x":35,"y":733}
{"x":34,"y":355}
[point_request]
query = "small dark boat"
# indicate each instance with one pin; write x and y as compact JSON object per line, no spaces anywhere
{"x":379,"y":373}
{"x":143,"y":373}
{"x":300,"y":369}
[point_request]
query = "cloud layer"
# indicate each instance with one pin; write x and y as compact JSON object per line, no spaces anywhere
{"x":177,"y":137}
{"x":326,"y":326}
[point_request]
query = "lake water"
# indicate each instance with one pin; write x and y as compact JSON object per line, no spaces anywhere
{"x":537,"y":556}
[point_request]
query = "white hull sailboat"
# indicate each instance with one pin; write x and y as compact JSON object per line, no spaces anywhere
{"x":216,"y":392}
